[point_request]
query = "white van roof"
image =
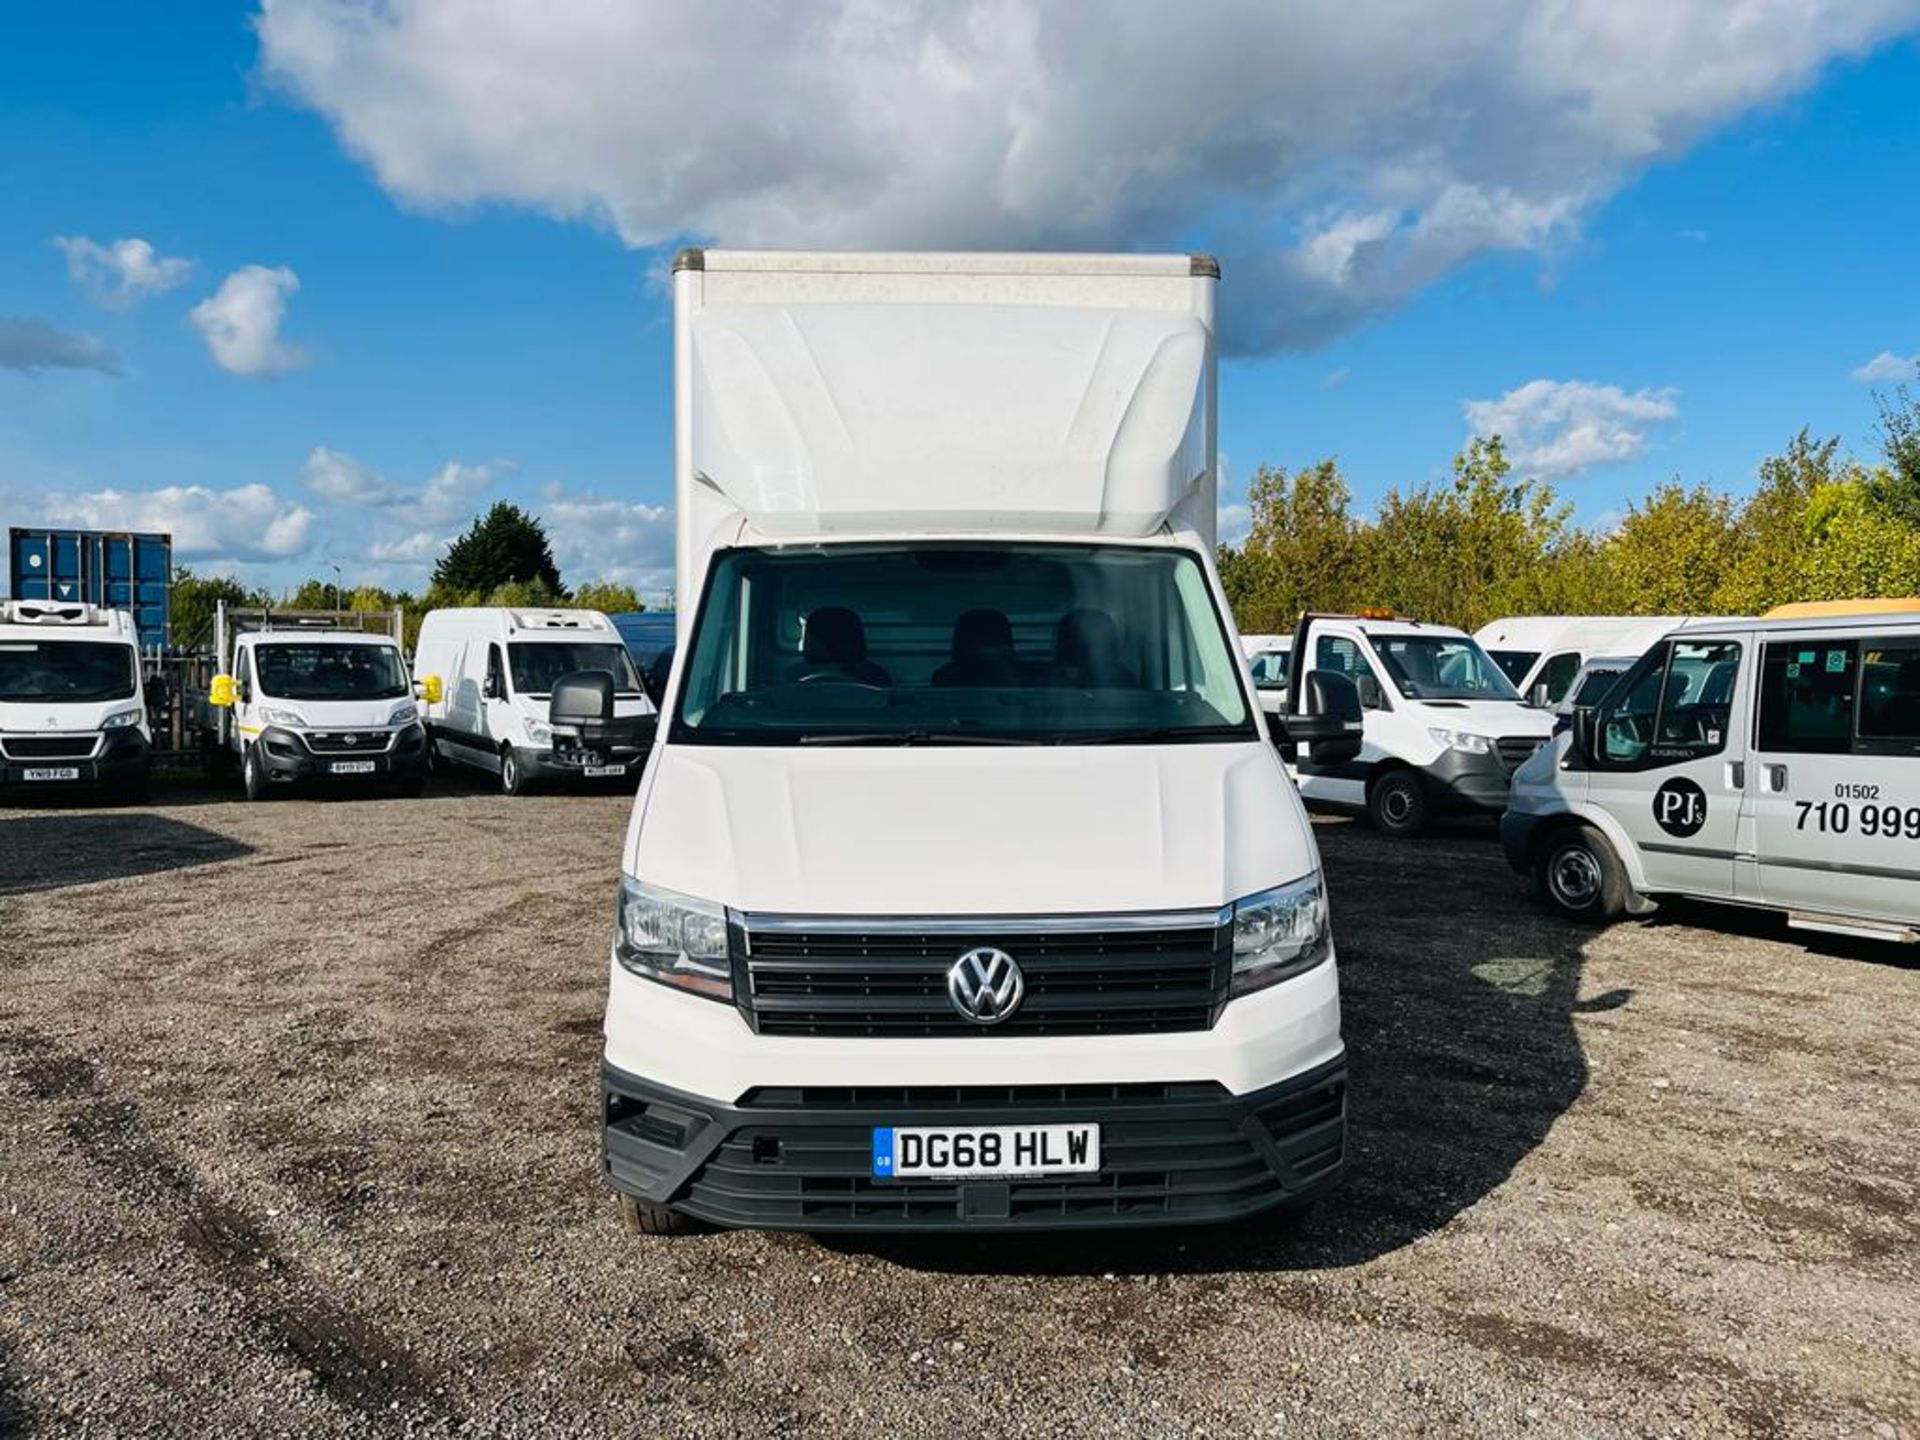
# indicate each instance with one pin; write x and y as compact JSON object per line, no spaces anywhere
{"x":83,"y":622}
{"x":530,"y":623}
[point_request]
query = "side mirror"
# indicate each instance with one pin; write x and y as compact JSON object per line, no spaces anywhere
{"x":1583,"y":732}
{"x":490,"y":688}
{"x":221,"y":692}
{"x":1540,"y":697}
{"x":1367,"y":688}
{"x":581,"y":699}
{"x":1330,"y":722}
{"x":429,"y":688}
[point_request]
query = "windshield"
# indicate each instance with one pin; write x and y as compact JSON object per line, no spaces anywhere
{"x":1270,"y":669}
{"x":536,"y":665}
{"x":1514,"y":664}
{"x":65,"y":670}
{"x":1594,"y":687}
{"x":960,"y":643}
{"x":320,"y":671}
{"x":1442,"y":667}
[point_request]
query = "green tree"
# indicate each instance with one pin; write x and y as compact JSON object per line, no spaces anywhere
{"x":194,"y":599}
{"x":1895,"y":488}
{"x":607,"y":597}
{"x":1301,"y":552}
{"x":1673,"y":552}
{"x":503,"y":547}
{"x":532,"y":594}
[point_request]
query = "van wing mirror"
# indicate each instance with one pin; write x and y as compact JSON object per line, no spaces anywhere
{"x":221,"y":691}
{"x":1330,"y":721}
{"x":1367,"y":689}
{"x":1583,"y":732}
{"x":490,"y":688}
{"x":1540,"y":696}
{"x":430,"y":688}
{"x":580,"y":699}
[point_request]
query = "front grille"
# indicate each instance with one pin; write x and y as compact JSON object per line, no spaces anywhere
{"x":890,"y":978}
{"x":1516,"y":749}
{"x":348,"y":742}
{"x":1169,"y":1153}
{"x":49,"y":747}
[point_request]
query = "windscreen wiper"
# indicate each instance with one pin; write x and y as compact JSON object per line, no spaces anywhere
{"x":1158,"y":733}
{"x":910,"y":737}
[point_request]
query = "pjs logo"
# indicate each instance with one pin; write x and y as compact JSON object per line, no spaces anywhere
{"x":1680,"y":807}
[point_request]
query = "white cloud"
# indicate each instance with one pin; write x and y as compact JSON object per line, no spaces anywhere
{"x":450,"y":493}
{"x":1340,"y":156}
{"x":122,"y":273}
{"x":333,"y":475}
{"x":246,"y":523}
{"x":1561,"y":427}
{"x":1889,"y":368}
{"x":30,"y":345}
{"x":595,"y":538}
{"x":241,"y":321}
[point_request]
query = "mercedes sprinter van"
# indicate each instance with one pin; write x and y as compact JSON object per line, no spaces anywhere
{"x":965,"y":888}
{"x":492,"y":671}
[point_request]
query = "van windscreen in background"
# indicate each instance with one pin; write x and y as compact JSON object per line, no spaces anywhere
{"x":536,"y":664}
{"x":1442,"y":667}
{"x":1514,"y":664}
{"x":960,"y":643}
{"x":69,"y":671}
{"x":316,"y":670}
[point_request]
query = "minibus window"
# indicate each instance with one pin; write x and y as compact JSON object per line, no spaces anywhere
{"x":1890,"y":692}
{"x":1806,"y":697}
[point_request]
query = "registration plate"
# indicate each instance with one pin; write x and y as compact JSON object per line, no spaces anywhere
{"x":353,"y":767}
{"x":600,"y":772}
{"x":52,"y":772}
{"x":983,"y":1152}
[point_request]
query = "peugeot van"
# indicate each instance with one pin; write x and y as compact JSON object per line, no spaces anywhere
{"x":73,"y":709}
{"x":1771,"y":763}
{"x":965,"y":889}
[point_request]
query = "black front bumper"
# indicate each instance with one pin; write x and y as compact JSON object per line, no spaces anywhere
{"x":126,"y":760}
{"x":1180,"y":1153}
{"x":288,"y":758}
{"x":1516,"y":838}
{"x":1459,"y":783}
{"x":557,"y":765}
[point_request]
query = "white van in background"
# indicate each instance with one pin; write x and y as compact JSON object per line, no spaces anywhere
{"x":73,"y":709}
{"x":1269,"y":661}
{"x":492,"y":669}
{"x":1541,"y":654}
{"x":1445,"y":729}
{"x":965,"y":889}
{"x":1763,"y":762}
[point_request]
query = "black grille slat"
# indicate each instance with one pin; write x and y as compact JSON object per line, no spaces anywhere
{"x":335,"y":742}
{"x":880,"y":981}
{"x":50,"y":747}
{"x":1516,"y":750}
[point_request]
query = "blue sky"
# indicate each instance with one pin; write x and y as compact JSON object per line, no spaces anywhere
{"x":1673,"y":280}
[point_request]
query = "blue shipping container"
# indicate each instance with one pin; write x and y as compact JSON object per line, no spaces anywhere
{"x":97,"y":567}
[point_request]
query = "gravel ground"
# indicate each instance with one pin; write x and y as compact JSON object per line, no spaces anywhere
{"x":297,"y":1136}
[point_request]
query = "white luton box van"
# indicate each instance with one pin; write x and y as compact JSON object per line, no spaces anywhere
{"x":1764,"y":762}
{"x":73,"y":710}
{"x":1445,"y":729}
{"x":492,"y":671}
{"x":964,"y":888}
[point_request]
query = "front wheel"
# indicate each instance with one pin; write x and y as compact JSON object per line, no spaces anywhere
{"x":643,"y":1217}
{"x":1397,"y":805}
{"x":513,"y":775}
{"x":253,"y":773}
{"x":1580,"y":876}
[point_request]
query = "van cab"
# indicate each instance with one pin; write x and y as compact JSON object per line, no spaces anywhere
{"x":73,"y":708}
{"x":1269,"y":661}
{"x":965,"y":889}
{"x":1772,"y":763}
{"x":1444,"y":727}
{"x":492,"y":671}
{"x":303,"y":701}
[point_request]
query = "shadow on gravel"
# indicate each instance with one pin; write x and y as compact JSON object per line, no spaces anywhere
{"x":48,"y":851}
{"x":1772,"y":925}
{"x":1458,"y":1000}
{"x":15,"y":1419}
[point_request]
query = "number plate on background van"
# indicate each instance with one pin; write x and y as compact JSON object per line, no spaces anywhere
{"x":51,"y":772}
{"x":353,"y":767}
{"x":600,"y":772}
{"x":983,"y":1152}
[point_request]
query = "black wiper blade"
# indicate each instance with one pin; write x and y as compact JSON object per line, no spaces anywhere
{"x":910,"y":737}
{"x":1153,"y":734}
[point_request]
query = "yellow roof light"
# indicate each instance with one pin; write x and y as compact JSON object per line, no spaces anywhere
{"x":1825,"y":609}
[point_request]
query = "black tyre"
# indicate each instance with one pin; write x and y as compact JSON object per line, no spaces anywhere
{"x":1579,"y":876}
{"x":253,"y":774}
{"x":643,"y":1217}
{"x":1397,"y":805}
{"x":513,"y":775}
